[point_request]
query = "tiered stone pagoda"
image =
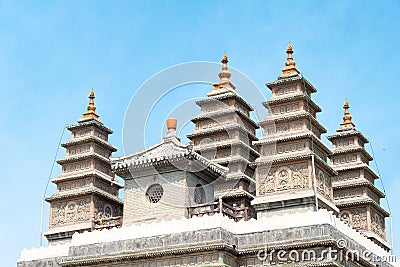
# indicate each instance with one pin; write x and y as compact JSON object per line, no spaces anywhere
{"x":353,"y":189}
{"x":224,"y":133}
{"x":292,"y":170}
{"x":87,"y":191}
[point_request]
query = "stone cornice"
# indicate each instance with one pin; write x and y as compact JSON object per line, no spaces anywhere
{"x":234,"y":193}
{"x":357,"y":183}
{"x":231,"y":159}
{"x":364,"y":166}
{"x":76,"y":175}
{"x":88,"y":139}
{"x":240,"y":176}
{"x":213,"y":114}
{"x":360,"y":201}
{"x":90,"y":122}
{"x":226,"y":143}
{"x":352,"y":132}
{"x":82,"y":192}
{"x":351,"y":150}
{"x":293,"y":116}
{"x":298,"y":156}
{"x":293,"y":97}
{"x":218,"y":129}
{"x":227,"y":95}
{"x":83,"y":156}
{"x":292,"y":79}
{"x":292,"y":137}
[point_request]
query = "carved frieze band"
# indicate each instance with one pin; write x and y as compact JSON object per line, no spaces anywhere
{"x":283,"y":178}
{"x":70,"y":212}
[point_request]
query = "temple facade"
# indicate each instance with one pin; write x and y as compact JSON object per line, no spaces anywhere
{"x":226,"y":198}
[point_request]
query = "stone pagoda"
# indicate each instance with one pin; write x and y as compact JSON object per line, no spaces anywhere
{"x":87,"y":191}
{"x":224,"y":133}
{"x":292,"y":172}
{"x":353,"y":189}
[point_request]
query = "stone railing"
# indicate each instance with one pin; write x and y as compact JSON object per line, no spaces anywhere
{"x":232,"y":212}
{"x":107,"y":223}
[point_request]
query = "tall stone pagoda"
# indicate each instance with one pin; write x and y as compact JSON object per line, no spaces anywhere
{"x":87,"y":191}
{"x":292,"y":170}
{"x":353,"y":189}
{"x":224,"y":133}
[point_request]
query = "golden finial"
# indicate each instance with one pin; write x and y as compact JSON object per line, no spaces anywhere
{"x":290,"y":64}
{"x":224,"y":58}
{"x":347,"y":124}
{"x":91,"y":108}
{"x":224,"y":75}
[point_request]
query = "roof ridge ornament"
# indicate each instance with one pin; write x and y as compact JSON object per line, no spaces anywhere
{"x":290,"y":65}
{"x":347,"y":124}
{"x":171,"y":126}
{"x":224,"y":75}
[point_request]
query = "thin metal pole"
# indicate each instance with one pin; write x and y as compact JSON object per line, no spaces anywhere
{"x":314,"y":182}
{"x":47,"y":185}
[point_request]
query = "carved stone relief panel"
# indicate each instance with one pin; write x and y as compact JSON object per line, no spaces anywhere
{"x":100,"y":134}
{"x":286,"y":108}
{"x":73,"y":185}
{"x":345,"y":216}
{"x":346,"y":176}
{"x":343,"y":143}
{"x":105,"y":187}
{"x":214,"y":106}
{"x":212,"y":123}
{"x":241,"y":107}
{"x":348,"y":193}
{"x":77,"y":150}
{"x":81,"y":133}
{"x":283,"y":90}
{"x":212,"y":138}
{"x":369,"y":177}
{"x":359,"y":218}
{"x":284,"y":148}
{"x":377,"y":223}
{"x":102,"y":151}
{"x":103,"y":168}
{"x":104,"y":209}
{"x":284,"y":178}
{"x":324,"y":184}
{"x":78,"y":166}
{"x":70,"y":212}
{"x":283,"y":128}
{"x":373,"y":196}
{"x":344,"y":159}
{"x":320,"y":154}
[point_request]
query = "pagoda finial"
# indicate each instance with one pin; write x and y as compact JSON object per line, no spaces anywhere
{"x":224,"y":58}
{"x":290,"y":64}
{"x":91,"y":108}
{"x":347,"y":124}
{"x":224,"y":75}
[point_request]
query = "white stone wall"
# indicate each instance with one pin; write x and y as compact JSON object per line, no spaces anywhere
{"x":178,"y":194}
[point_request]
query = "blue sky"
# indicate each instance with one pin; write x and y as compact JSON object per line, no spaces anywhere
{"x":53,"y":52}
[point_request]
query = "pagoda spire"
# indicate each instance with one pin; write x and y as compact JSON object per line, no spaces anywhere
{"x":347,"y":124}
{"x":224,"y":75}
{"x":91,"y":108}
{"x":290,"y":64}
